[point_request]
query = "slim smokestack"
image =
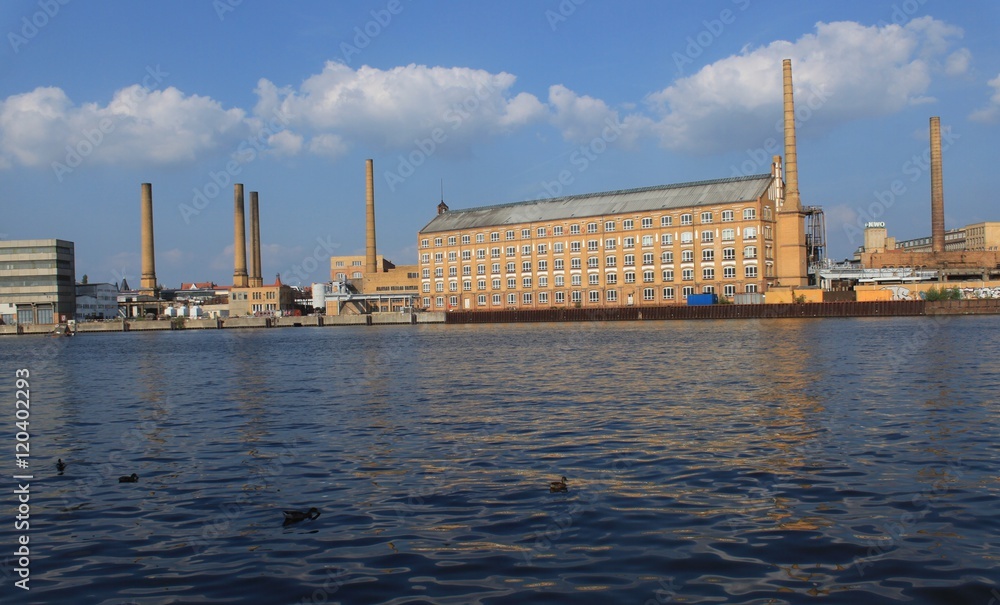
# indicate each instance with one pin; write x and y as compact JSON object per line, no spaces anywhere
{"x":256,"y":280}
{"x":937,"y":188}
{"x":371,"y":265}
{"x":148,"y":280}
{"x":239,"y":239}
{"x":791,"y":156}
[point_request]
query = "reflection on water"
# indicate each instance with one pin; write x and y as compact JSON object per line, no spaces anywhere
{"x":731,"y":462}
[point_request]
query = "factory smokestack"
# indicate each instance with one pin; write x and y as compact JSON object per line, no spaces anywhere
{"x":256,"y":279}
{"x":147,"y":282}
{"x":937,"y":188}
{"x":792,"y":201}
{"x":239,"y":239}
{"x":371,"y":265}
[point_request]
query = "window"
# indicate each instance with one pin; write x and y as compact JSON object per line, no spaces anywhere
{"x":557,"y":247}
{"x":630,"y":277}
{"x":647,"y":240}
{"x":496,"y":298}
{"x":750,"y":233}
{"x":687,"y":274}
{"x":708,"y":289}
{"x":574,"y":229}
{"x":647,"y":223}
{"x":609,"y":244}
{"x":427,"y":287}
{"x":540,"y":232}
{"x":543,"y":265}
{"x":576,"y":297}
{"x":495,"y":268}
{"x":708,"y":273}
{"x":495,"y":236}
{"x":594,"y":296}
{"x":727,"y":216}
{"x":594,"y":279}
{"x":611,"y":296}
{"x":511,"y":250}
{"x":667,"y":257}
{"x":628,"y":242}
{"x":706,"y":217}
{"x":668,"y":293}
{"x":451,"y":240}
{"x":511,"y":283}
{"x":425,"y":273}
{"x":686,"y":219}
{"x":510,"y":234}
{"x":649,"y":294}
{"x":729,"y":254}
{"x":479,"y":238}
{"x":425,"y":258}
{"x":526,"y":266}
{"x":611,"y":278}
{"x":439,"y":301}
{"x":495,"y":284}
{"x":511,"y":298}
{"x":452,"y":271}
{"x":466,"y":254}
{"x":648,"y":277}
{"x":593,"y":262}
{"x":467,"y":270}
{"x":708,"y":255}
{"x":666,"y":239}
{"x":560,"y":297}
{"x":707,"y":237}
{"x":687,"y":237}
{"x":629,"y":260}
{"x":525,"y":233}
{"x":481,"y":253}
{"x":481,"y":284}
{"x":526,"y":282}
{"x":574,"y":246}
{"x":438,"y":241}
{"x":729,"y":272}
{"x":526,"y":250}
{"x":750,"y":271}
{"x":575,"y":280}
{"x":728,"y":235}
{"x":558,"y":230}
{"x":668,"y":275}
{"x":750,"y":252}
{"x":647,"y":258}
{"x":543,"y":248}
{"x":574,"y":263}
{"x":438,"y":257}
{"x":480,"y":269}
{"x":750,"y":288}
{"x":687,"y":256}
{"x":453,"y":300}
{"x":559,"y":264}
{"x":467,"y":285}
{"x":439,"y":287}
{"x":687,"y":291}
{"x":481,"y":300}
{"x":494,"y":252}
{"x":466,"y":239}
{"x":560,"y":281}
{"x":453,"y":286}
{"x":423,"y":244}
{"x":628,"y":224}
{"x":452,"y":257}
{"x":749,"y":214}
{"x":543,"y":298}
{"x":609,"y":226}
{"x":611,"y":261}
{"x":591,"y":227}
{"x":729,"y":290}
{"x":543,"y":281}
{"x":666,"y":221}
{"x":439,"y":272}
{"x":592,"y":245}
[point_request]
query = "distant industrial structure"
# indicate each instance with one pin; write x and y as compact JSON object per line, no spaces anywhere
{"x":37,"y":281}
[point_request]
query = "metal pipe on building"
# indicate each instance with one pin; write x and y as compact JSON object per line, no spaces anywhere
{"x":148,"y":280}
{"x":256,"y":279}
{"x":239,"y":239}
{"x":371,"y":265}
{"x":937,"y":188}
{"x":791,"y":156}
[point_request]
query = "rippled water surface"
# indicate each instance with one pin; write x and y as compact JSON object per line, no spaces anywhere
{"x":777,"y":461}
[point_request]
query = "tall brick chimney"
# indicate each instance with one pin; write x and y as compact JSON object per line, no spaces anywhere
{"x":937,"y":188}
{"x":371,"y":263}
{"x":240,"y":278}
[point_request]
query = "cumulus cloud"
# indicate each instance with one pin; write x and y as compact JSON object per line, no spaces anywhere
{"x":166,"y":126}
{"x":990,"y":113}
{"x":581,"y":118}
{"x":843,"y":71}
{"x":393,"y":108}
{"x":284,"y":142}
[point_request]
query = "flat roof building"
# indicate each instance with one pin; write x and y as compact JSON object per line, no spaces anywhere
{"x":37,"y":281}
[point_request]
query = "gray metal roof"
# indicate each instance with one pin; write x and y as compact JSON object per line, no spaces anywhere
{"x":680,"y":195}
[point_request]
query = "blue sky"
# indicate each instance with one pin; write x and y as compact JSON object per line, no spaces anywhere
{"x":501,"y":101}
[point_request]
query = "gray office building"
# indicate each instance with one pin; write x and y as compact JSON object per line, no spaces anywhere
{"x":37,"y":281}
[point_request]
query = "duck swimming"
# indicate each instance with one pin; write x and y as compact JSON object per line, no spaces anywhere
{"x":294,"y":516}
{"x":558,"y":486}
{"x":133,"y":478}
{"x":60,"y":465}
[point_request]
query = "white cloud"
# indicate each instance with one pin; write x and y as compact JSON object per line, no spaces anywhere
{"x":990,"y":113}
{"x":393,"y":108}
{"x":843,"y":71}
{"x":582,"y":119}
{"x":137,"y":125}
{"x":285,"y":143}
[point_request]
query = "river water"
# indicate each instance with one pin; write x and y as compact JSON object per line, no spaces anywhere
{"x":772,"y":461}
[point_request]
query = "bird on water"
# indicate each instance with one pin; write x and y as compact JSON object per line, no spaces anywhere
{"x":294,"y":516}
{"x":558,"y":486}
{"x":60,"y":465}
{"x":133,"y":478}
